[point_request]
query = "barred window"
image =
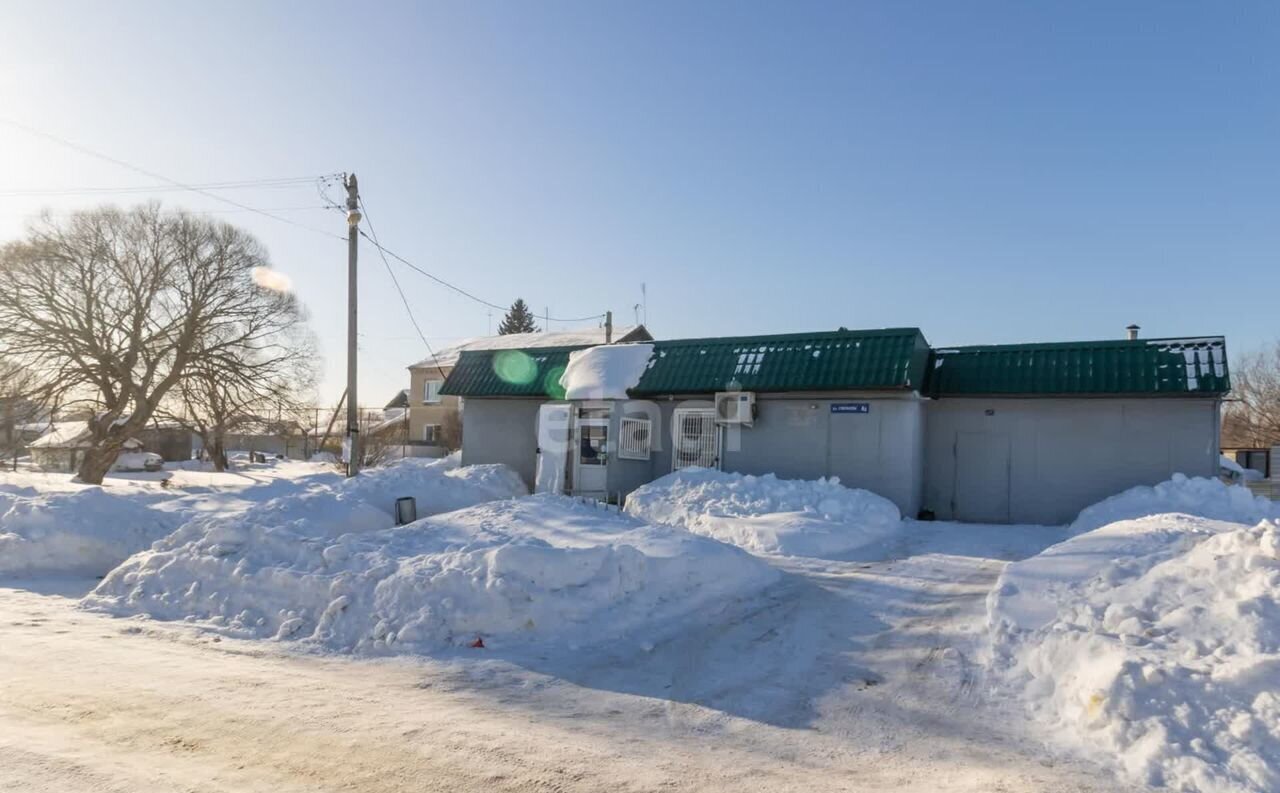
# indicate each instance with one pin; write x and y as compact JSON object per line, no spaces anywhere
{"x":635,"y":439}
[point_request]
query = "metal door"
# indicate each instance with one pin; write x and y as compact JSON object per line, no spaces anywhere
{"x":553,"y":448}
{"x":982,"y":477}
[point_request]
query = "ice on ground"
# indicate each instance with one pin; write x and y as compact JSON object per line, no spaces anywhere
{"x":1153,"y":642}
{"x":86,"y":532}
{"x":765,"y":514}
{"x":605,"y":372}
{"x":1206,"y":498}
{"x":539,"y":569}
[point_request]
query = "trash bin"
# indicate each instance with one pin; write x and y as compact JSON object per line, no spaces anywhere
{"x":406,"y":510}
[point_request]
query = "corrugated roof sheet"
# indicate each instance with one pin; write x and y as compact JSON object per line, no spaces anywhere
{"x":509,"y":373}
{"x":1183,"y":366}
{"x":843,"y":360}
{"x":891,"y":358}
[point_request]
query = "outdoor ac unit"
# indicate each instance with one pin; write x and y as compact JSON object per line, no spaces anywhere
{"x":736,"y":407}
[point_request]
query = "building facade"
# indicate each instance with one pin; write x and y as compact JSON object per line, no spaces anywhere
{"x":997,"y":434}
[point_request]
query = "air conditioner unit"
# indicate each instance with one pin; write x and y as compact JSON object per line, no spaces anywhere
{"x":736,"y":407}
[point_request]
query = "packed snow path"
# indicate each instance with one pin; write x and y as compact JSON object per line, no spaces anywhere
{"x":843,"y":676}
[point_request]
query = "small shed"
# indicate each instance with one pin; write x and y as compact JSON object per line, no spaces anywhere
{"x":62,"y":448}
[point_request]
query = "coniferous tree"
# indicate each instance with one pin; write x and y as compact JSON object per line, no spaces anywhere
{"x":519,"y":319}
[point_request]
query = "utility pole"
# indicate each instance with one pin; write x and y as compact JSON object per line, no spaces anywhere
{"x":351,"y":446}
{"x":608,"y":327}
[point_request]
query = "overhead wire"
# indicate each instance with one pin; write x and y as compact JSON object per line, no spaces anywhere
{"x":459,"y":289}
{"x":160,"y":177}
{"x":396,"y":281}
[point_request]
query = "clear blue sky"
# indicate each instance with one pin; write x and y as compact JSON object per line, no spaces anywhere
{"x":989,"y":172}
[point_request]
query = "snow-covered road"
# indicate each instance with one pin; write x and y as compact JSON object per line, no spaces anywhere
{"x":843,"y":676}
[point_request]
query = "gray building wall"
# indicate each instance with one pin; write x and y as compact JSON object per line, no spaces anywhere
{"x":798,"y":437}
{"x":502,"y":431}
{"x":1043,"y":460}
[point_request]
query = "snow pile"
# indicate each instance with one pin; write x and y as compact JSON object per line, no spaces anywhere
{"x":539,"y":569}
{"x":605,"y":372}
{"x":1152,"y":638}
{"x":1167,"y":661}
{"x":1208,"y":498}
{"x":766,"y":514}
{"x":85,"y":532}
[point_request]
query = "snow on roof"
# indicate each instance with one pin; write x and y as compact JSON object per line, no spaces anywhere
{"x":605,"y":372}
{"x":523,"y":341}
{"x":71,"y":435}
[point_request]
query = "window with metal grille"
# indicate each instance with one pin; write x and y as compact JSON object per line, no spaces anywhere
{"x":635,"y":439}
{"x":695,"y":438}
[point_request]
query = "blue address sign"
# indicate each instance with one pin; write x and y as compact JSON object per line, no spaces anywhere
{"x":851,"y":407}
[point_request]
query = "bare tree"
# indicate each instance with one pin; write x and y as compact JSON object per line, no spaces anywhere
{"x":1252,"y":417}
{"x":113,"y":309}
{"x":261,"y":385}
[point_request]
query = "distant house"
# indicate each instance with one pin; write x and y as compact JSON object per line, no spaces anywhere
{"x":63,"y":447}
{"x":435,"y":417}
{"x":1015,"y":433}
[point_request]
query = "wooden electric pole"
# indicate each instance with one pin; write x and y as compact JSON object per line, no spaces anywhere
{"x":351,"y":445}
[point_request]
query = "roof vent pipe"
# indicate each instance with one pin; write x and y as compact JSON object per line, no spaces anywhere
{"x":1132,"y":332}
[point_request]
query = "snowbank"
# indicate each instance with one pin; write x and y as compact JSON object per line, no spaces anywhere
{"x":1153,"y":640}
{"x":86,"y":532}
{"x":1168,"y":663}
{"x":766,"y":514}
{"x":539,"y":569}
{"x":605,"y":372}
{"x":1207,"y":498}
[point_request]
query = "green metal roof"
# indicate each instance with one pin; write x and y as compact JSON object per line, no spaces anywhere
{"x":1173,"y":367}
{"x":829,"y":361}
{"x":533,"y":372}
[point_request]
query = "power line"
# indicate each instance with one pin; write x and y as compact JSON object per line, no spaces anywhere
{"x":248,"y":184}
{"x":459,"y":289}
{"x":160,"y":177}
{"x":408,"y":310}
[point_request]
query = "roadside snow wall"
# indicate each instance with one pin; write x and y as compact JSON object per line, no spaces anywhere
{"x":538,"y":569}
{"x":86,"y":532}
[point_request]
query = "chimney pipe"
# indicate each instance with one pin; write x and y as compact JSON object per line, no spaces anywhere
{"x":1132,"y":332}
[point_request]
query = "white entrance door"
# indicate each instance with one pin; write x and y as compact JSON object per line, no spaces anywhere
{"x":695,"y":438}
{"x":591,"y":455}
{"x":553,"y":448}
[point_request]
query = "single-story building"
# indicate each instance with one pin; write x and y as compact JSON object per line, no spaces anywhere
{"x":1021,"y":433}
{"x":1263,"y":459}
{"x":63,"y":447}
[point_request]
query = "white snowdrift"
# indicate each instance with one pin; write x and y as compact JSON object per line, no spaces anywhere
{"x":765,"y":514}
{"x":1206,"y":498}
{"x":1171,"y":669}
{"x":539,"y":569}
{"x":605,"y":372}
{"x":1154,"y":642}
{"x":86,"y":532}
